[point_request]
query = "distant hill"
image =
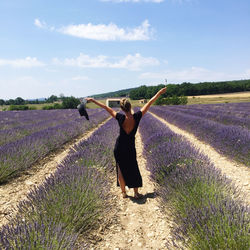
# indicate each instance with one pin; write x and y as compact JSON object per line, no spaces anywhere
{"x":39,"y":99}
{"x":119,"y":93}
{"x":183,"y":89}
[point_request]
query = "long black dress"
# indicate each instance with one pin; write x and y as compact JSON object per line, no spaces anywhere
{"x":125,"y":153}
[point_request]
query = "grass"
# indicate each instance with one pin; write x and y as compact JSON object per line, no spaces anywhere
{"x":214,"y":100}
{"x":37,"y":106}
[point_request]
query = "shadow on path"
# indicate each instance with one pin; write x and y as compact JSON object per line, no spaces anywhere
{"x":143,"y":199}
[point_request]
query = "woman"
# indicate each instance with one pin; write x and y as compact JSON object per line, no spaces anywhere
{"x":127,"y":170}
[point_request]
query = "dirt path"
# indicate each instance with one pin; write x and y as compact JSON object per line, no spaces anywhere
{"x":140,"y":223}
{"x":17,"y":189}
{"x":240,"y":174}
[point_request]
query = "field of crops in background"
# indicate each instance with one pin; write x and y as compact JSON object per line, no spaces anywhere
{"x":27,"y":136}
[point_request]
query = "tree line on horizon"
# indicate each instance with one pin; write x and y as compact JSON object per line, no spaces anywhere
{"x":146,"y":92}
{"x":53,"y":102}
{"x":183,"y":89}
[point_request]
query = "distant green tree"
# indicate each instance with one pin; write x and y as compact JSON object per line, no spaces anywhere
{"x":160,"y":100}
{"x":70,"y":102}
{"x":57,"y":106}
{"x":48,"y":107}
{"x":184,"y":100}
{"x":2,"y":102}
{"x":52,"y":98}
{"x":172,"y":89}
{"x":139,"y":93}
{"x":10,"y":102}
{"x":19,"y":101}
{"x":191,"y":89}
{"x":144,"y":92}
{"x":172,"y":100}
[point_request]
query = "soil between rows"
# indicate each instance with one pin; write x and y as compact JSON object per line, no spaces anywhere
{"x":237,"y":172}
{"x":140,"y":224}
{"x":16,"y":190}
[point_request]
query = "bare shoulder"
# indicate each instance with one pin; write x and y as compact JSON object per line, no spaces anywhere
{"x":111,"y":111}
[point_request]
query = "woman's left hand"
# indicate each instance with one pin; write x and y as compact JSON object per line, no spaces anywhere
{"x":163,"y":90}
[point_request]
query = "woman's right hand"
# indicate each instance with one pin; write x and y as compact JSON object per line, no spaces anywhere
{"x":89,"y":99}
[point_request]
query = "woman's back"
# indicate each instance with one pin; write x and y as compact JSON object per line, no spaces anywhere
{"x":128,"y":124}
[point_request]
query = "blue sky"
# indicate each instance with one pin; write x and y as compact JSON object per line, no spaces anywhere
{"x":82,"y":47}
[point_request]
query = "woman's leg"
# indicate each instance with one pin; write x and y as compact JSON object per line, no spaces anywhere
{"x":137,"y":194}
{"x":121,"y":181}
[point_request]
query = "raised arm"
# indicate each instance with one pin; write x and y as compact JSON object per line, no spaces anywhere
{"x":145,"y":108}
{"x":110,"y":110}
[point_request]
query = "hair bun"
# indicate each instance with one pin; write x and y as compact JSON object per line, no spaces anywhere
{"x":125,"y":104}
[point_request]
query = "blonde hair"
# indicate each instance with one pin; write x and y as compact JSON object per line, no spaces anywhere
{"x":125,"y":105}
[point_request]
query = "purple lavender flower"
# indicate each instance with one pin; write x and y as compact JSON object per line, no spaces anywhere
{"x":231,"y":140}
{"x":69,"y":202}
{"x":204,"y":204}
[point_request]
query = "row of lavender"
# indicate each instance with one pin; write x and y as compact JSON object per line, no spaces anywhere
{"x":20,"y":154}
{"x":228,"y":114}
{"x":62,"y":212}
{"x":203,"y":202}
{"x":238,"y":109}
{"x":231,"y":140}
{"x":15,"y":125}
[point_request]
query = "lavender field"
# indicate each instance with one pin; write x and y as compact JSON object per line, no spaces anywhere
{"x":226,"y":127}
{"x":27,"y":136}
{"x":63,"y":211}
{"x":70,"y":202}
{"x":204,"y":204}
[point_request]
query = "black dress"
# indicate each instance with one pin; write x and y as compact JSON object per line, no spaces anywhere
{"x":125,"y":153}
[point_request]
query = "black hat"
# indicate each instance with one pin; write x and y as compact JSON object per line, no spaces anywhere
{"x":82,"y":109}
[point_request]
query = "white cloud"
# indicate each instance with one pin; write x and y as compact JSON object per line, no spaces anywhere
{"x":110,"y":32}
{"x":133,"y":1}
{"x":83,"y":61}
{"x":135,"y":62}
{"x":130,"y":62}
{"x":43,"y":25}
{"x":102,"y":32}
{"x":193,"y":74}
{"x":40,"y":24}
{"x":80,"y":78}
{"x":27,"y":62}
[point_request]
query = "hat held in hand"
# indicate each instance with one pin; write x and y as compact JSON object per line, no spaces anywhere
{"x":82,"y":109}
